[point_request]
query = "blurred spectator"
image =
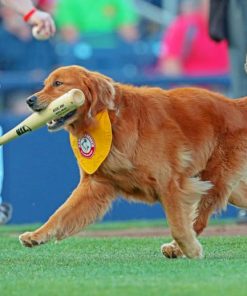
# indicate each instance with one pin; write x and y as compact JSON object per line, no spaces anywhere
{"x":17,"y":35}
{"x":32,"y":15}
{"x":12,"y":23}
{"x":21,"y":52}
{"x":186,"y":48}
{"x":78,"y":17}
{"x":31,"y":54}
{"x":228,"y":21}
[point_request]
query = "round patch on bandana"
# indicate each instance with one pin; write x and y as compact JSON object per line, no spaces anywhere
{"x":86,"y":146}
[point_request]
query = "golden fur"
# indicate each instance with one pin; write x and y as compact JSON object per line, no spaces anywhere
{"x":185,"y":148}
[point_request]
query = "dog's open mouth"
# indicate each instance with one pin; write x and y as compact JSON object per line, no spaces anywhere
{"x":59,"y":123}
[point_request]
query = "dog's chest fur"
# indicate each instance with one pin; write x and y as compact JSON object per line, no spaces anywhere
{"x":128,"y":179}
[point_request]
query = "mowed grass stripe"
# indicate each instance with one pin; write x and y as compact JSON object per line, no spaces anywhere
{"x":121,"y":266}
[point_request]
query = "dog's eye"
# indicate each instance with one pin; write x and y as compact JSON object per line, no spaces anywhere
{"x":57,"y":83}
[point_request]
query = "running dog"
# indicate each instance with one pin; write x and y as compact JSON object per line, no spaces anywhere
{"x":185,"y":148}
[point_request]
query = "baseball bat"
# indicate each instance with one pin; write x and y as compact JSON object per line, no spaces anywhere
{"x":56,"y":109}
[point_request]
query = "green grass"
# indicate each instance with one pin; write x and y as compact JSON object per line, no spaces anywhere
{"x":119,"y":266}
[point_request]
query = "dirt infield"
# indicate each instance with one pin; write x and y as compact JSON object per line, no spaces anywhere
{"x":219,"y":230}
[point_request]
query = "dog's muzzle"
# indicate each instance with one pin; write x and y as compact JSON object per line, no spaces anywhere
{"x":34,"y":104}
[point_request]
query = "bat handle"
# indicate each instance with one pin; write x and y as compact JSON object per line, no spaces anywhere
{"x":58,"y":108}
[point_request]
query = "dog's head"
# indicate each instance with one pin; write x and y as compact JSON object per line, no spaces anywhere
{"x":98,"y":90}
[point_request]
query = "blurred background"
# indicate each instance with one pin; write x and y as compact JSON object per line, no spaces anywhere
{"x":143,"y":42}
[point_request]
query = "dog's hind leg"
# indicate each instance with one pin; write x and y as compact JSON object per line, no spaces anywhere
{"x":225,"y":170}
{"x":89,"y":201}
{"x":238,"y":197}
{"x":206,"y":207}
{"x":180,"y":200}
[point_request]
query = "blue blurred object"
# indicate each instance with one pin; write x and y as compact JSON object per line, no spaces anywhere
{"x":1,"y":167}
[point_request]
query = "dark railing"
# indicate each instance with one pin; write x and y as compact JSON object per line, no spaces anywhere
{"x":11,"y":80}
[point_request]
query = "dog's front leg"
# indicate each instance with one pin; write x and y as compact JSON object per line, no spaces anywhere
{"x":89,"y":201}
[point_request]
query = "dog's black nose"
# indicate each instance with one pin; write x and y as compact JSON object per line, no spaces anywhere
{"x":31,"y":101}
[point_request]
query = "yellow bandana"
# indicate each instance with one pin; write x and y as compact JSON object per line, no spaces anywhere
{"x":92,"y":149}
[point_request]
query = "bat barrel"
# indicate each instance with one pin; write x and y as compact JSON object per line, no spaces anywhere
{"x":63,"y":105}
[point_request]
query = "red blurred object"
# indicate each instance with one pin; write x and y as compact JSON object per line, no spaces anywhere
{"x":47,"y":5}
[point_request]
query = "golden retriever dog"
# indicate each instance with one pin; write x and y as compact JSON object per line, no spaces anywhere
{"x":185,"y":148}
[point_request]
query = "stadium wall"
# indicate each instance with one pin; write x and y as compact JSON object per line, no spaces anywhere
{"x":41,"y":172}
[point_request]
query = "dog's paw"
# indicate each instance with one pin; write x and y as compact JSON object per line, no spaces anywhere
{"x":195,"y":252}
{"x":30,"y":239}
{"x":171,"y":250}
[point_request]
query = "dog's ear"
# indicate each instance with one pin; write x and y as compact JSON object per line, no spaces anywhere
{"x":100,"y":92}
